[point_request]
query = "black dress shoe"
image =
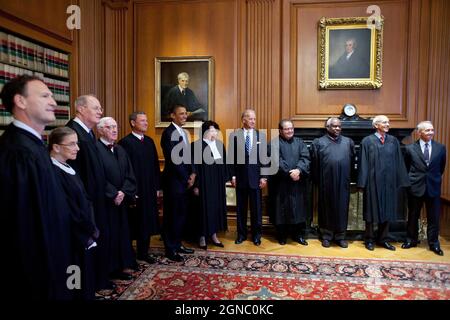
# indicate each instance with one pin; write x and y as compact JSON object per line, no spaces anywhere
{"x":408,"y":244}
{"x":218,"y":244}
{"x":240,"y":239}
{"x":387,"y":245}
{"x":342,"y":243}
{"x":437,"y":250}
{"x":282,"y":241}
{"x":369,"y":246}
{"x":149,"y":259}
{"x":183,"y":249}
{"x":257,"y":241}
{"x":302,"y":241}
{"x":205,"y":247}
{"x":174,"y":257}
{"x":326,"y":243}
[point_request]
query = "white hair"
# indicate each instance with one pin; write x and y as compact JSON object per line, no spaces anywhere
{"x":328,"y":123}
{"x":246,"y":111}
{"x":183,"y":75}
{"x":378,"y":119}
{"x":103,"y":122}
{"x":421,"y":125}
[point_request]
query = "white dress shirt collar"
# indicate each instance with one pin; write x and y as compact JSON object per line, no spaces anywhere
{"x":77,"y":120}
{"x":21,"y":125}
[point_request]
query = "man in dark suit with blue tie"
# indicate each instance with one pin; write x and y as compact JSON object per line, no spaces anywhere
{"x":178,"y":176}
{"x":246,"y":176}
{"x":425,"y":160}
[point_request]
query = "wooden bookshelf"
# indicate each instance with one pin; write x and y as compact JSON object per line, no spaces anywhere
{"x":20,"y":55}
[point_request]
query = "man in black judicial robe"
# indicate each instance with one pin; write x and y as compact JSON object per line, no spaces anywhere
{"x":89,"y":167}
{"x":287,"y":187}
{"x":246,"y":176}
{"x":177,"y":178}
{"x":119,"y":193}
{"x":332,"y":156}
{"x":35,"y":237}
{"x":143,"y":217}
{"x":382,"y":175}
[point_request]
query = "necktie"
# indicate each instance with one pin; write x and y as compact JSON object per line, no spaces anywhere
{"x":247,"y":143}
{"x":142,"y":139}
{"x":382,"y":139}
{"x":110,"y":146}
{"x":183,"y":92}
{"x":91,"y":133}
{"x":426,"y":154}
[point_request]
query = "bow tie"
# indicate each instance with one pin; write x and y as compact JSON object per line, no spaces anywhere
{"x":110,"y":146}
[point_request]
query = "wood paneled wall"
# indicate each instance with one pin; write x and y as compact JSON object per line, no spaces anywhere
{"x":438,"y":91}
{"x":188,"y":28}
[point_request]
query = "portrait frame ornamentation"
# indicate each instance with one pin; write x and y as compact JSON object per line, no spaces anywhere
{"x":201,"y":86}
{"x":335,"y":35}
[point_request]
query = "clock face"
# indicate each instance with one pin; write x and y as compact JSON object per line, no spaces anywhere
{"x":349,"y":110}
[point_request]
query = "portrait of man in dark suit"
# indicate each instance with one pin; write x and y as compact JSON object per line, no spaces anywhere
{"x":349,"y":54}
{"x":184,"y":81}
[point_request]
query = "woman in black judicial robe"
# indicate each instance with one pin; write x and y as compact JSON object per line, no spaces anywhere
{"x":119,"y":177}
{"x":209,"y":188}
{"x":63,"y":145}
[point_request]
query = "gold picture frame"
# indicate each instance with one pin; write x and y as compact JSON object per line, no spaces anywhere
{"x":350,"y":53}
{"x":197,"y":97}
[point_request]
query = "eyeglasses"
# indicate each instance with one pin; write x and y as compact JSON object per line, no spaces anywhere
{"x":72,"y":144}
{"x":111,"y":127}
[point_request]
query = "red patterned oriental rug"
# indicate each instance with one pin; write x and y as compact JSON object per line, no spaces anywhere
{"x":215,"y":275}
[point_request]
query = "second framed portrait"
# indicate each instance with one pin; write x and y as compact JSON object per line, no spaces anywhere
{"x":350,"y":53}
{"x":186,"y":81}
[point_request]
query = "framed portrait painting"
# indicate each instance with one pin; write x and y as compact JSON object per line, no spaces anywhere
{"x":186,"y":81}
{"x":350,"y":53}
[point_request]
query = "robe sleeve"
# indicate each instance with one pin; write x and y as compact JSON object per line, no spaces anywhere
{"x":129,"y":182}
{"x":402,"y":174}
{"x":303,"y":163}
{"x":157,"y":172}
{"x":314,"y":160}
{"x":363,"y":165}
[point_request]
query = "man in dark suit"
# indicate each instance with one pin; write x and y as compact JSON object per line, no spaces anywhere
{"x":425,"y":161}
{"x":89,"y":166}
{"x":352,"y":64}
{"x":178,"y":176}
{"x":246,"y":168}
{"x":182,"y":95}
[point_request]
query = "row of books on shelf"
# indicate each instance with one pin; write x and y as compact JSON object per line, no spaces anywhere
{"x":59,"y":88}
{"x":17,"y":51}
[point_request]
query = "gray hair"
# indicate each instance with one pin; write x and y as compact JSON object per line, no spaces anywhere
{"x":82,"y":101}
{"x":244,"y":113}
{"x":378,"y":119}
{"x":282,"y":122}
{"x":103,"y":121}
{"x":421,"y":125}
{"x":183,"y":75}
{"x":328,"y":123}
{"x":133,"y":116}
